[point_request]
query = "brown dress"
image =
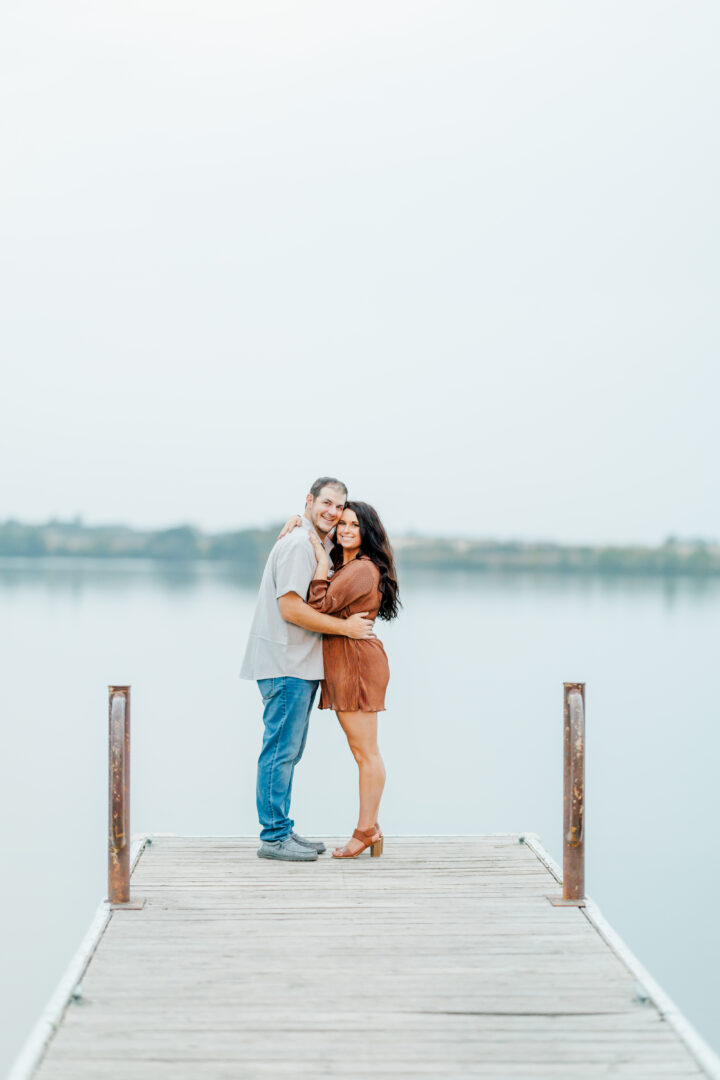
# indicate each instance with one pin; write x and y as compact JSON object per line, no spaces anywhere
{"x":356,"y":670}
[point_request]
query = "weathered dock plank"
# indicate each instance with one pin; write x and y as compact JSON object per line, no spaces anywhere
{"x":444,"y":958}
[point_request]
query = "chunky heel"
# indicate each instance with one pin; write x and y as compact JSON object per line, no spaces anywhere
{"x":368,"y":838}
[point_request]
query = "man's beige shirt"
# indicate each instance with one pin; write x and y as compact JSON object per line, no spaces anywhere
{"x":276,"y":647}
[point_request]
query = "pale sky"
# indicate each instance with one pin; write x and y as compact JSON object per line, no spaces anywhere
{"x":462,"y":255}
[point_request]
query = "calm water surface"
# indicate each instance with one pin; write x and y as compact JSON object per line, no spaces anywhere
{"x":472,"y":740}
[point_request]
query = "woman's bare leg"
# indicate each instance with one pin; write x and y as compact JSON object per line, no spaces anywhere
{"x":361,"y":731}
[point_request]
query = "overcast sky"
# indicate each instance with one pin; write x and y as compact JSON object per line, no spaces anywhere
{"x":462,"y":255}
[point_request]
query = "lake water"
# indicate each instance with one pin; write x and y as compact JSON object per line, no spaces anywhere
{"x":472,"y":740}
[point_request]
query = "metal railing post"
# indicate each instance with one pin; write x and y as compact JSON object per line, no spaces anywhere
{"x":119,"y":795}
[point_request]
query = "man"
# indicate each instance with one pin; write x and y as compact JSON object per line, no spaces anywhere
{"x":284,"y":655}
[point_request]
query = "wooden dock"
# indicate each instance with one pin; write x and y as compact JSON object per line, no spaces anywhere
{"x":443,"y":958}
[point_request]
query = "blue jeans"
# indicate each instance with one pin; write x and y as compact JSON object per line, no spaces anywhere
{"x":287,"y":703}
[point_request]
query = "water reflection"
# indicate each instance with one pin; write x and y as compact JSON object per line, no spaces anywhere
{"x":73,"y":576}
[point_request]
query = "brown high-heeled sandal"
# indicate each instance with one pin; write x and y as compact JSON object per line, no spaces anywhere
{"x":369,"y":838}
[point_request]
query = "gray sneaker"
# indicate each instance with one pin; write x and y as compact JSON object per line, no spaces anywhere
{"x":287,"y":849}
{"x":316,"y":845}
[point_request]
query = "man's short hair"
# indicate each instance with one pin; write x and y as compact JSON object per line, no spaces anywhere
{"x":324,"y":481}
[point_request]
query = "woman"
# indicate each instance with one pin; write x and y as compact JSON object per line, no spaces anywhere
{"x":356,"y":671}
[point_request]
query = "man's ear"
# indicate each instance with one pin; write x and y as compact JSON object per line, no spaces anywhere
{"x":308,"y":501}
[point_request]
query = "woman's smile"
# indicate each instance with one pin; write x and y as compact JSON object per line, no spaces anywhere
{"x":348,"y":531}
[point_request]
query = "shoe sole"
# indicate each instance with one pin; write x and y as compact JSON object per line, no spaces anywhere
{"x":286,"y":858}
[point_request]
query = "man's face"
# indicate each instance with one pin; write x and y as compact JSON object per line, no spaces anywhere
{"x":325,"y":509}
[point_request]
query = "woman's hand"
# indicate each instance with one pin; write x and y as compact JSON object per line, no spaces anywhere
{"x":323,"y":562}
{"x":320,"y":552}
{"x":290,"y":524}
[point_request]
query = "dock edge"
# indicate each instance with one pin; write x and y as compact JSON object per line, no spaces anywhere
{"x":40,"y":1035}
{"x":703,"y":1053}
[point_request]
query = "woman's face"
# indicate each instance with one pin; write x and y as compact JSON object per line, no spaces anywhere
{"x":348,"y":531}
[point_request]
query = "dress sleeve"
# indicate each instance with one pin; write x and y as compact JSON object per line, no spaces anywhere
{"x":343,"y":589}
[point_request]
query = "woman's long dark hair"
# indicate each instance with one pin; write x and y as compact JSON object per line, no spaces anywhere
{"x":375,"y":544}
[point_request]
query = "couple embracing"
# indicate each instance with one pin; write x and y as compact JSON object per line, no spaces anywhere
{"x":328,"y":577}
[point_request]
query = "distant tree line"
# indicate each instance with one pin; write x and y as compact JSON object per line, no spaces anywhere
{"x":249,"y":547}
{"x":183,"y":542}
{"x":672,"y":557}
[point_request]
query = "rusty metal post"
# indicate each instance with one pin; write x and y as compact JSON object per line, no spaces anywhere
{"x":574,"y":793}
{"x":119,"y":795}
